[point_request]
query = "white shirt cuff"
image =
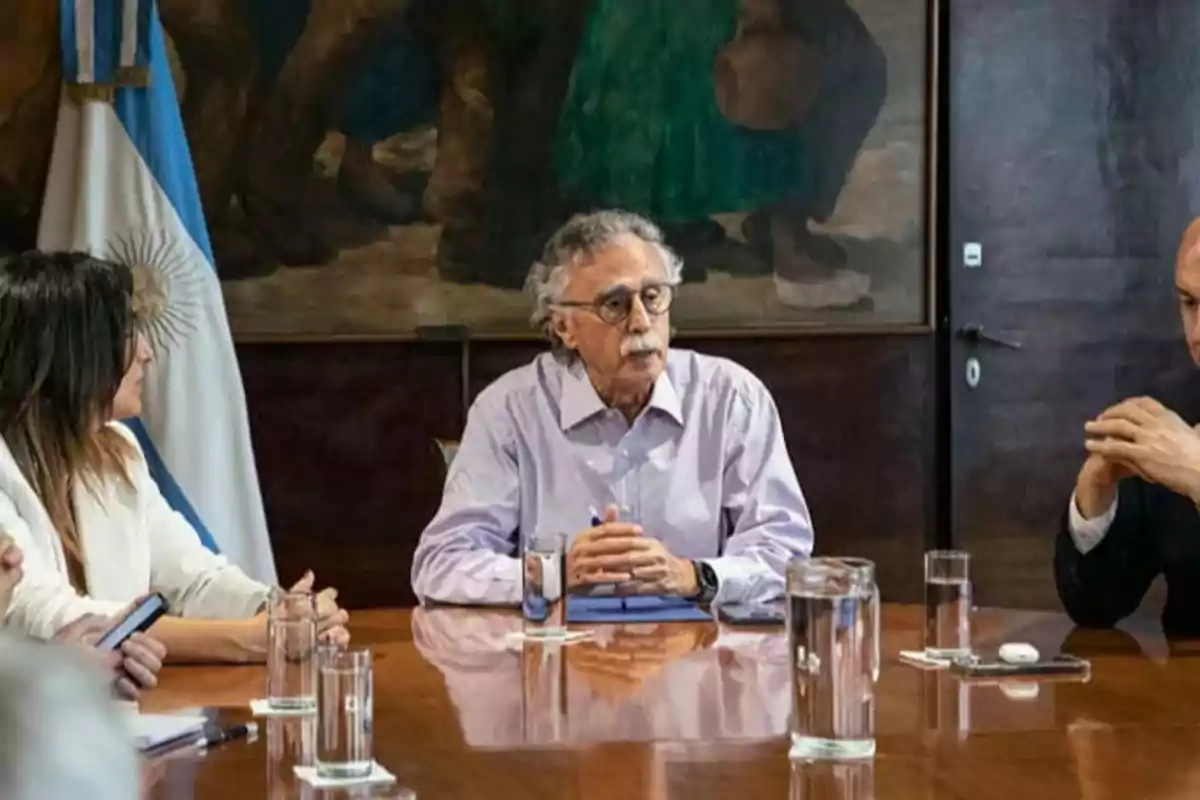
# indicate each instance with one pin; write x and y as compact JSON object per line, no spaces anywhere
{"x":1088,"y":533}
{"x":741,"y":579}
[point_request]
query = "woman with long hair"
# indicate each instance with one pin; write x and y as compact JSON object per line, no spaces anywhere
{"x":76,"y":493}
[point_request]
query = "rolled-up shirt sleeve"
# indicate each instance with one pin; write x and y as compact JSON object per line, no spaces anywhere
{"x":467,"y":554}
{"x":770,"y":523}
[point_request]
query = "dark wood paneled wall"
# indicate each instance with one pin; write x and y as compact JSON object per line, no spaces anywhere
{"x":343,"y":435}
{"x":350,"y":475}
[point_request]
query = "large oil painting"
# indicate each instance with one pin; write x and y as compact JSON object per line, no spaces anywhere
{"x":385,"y":167}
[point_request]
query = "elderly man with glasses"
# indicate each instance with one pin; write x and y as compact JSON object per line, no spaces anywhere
{"x":666,"y":469}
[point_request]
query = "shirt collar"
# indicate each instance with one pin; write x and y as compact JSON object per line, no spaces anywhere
{"x":580,"y":401}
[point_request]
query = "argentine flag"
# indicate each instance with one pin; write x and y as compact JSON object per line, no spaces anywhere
{"x":121,"y":186}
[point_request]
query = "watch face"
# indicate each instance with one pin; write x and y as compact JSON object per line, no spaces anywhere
{"x":708,"y":581}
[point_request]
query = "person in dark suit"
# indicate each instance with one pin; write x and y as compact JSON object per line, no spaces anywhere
{"x":1135,"y":512}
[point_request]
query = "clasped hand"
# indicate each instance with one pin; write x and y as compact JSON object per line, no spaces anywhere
{"x":1143,"y":437}
{"x":331,"y":620}
{"x":619,"y":553}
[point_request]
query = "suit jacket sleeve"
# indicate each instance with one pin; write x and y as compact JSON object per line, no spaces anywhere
{"x":1102,"y":587}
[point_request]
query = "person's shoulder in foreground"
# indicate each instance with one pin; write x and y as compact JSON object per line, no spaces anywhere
{"x":60,"y":733}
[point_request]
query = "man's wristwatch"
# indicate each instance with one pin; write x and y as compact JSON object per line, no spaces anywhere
{"x":706,"y":581}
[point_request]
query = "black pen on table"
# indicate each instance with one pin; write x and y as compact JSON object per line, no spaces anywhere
{"x":214,"y":737}
{"x":231,"y":734}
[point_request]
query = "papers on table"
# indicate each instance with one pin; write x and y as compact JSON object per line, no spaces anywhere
{"x":155,"y":730}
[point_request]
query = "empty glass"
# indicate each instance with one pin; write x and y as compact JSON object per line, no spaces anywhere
{"x":947,"y":604}
{"x":291,"y":639}
{"x":345,"y":711}
{"x":833,"y":636}
{"x":543,"y":586}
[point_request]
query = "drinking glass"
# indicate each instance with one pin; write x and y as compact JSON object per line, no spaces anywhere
{"x":345,"y":711}
{"x":291,"y":639}
{"x":947,"y":604}
{"x":543,"y":586}
{"x":833,"y":633}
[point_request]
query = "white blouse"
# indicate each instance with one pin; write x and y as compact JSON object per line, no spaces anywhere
{"x":133,"y":543}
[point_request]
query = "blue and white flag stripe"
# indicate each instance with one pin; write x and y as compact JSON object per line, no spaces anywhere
{"x":122,"y":186}
{"x":102,"y":37}
{"x":167,"y":485}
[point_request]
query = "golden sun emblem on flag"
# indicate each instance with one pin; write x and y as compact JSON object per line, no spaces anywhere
{"x":167,"y":285}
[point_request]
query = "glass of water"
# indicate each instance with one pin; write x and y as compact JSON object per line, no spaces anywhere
{"x":543,"y":586}
{"x":833,"y":636}
{"x":345,"y":711}
{"x":291,"y":641}
{"x":947,"y":604}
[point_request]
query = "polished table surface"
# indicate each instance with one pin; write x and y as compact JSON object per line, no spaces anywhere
{"x":697,"y":710}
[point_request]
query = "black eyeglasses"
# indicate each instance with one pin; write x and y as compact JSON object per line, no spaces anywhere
{"x":615,"y":305}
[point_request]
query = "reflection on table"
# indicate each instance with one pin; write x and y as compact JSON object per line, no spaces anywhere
{"x":641,"y":682}
{"x":693,"y":711}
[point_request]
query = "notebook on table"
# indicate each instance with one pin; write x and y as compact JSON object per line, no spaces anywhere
{"x":152,"y":731}
{"x":634,"y":609}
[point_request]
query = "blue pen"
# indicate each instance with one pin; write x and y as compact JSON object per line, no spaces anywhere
{"x":601,"y":589}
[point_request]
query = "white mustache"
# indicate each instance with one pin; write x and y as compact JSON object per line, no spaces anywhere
{"x":641,"y":343}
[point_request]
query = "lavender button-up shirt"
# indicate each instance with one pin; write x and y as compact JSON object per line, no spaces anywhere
{"x":704,"y":469}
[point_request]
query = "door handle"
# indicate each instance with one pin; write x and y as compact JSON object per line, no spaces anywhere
{"x":973,"y":332}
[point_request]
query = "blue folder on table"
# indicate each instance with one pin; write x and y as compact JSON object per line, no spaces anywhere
{"x":634,"y":609}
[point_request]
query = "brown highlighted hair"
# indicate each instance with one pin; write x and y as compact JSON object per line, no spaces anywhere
{"x":67,"y":336}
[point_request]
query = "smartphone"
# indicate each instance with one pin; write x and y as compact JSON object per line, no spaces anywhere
{"x":144,"y":614}
{"x":991,"y":667}
{"x":760,"y":614}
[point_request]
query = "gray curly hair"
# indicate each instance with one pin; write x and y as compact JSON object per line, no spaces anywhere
{"x":581,"y":236}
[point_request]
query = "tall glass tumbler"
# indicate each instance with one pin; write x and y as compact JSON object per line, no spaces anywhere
{"x":345,"y":714}
{"x":291,"y":642}
{"x":947,"y":604}
{"x":833,"y":636}
{"x":544,"y":585}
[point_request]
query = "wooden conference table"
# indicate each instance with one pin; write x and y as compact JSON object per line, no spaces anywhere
{"x":691,"y":711}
